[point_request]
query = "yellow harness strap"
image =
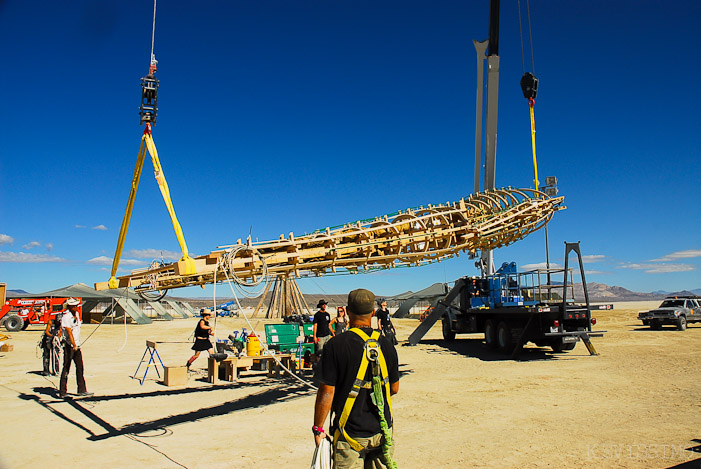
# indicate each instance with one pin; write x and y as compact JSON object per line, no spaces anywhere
{"x":531,"y":104}
{"x":359,"y":384}
{"x":147,"y":144}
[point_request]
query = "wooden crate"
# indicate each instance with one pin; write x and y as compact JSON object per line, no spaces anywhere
{"x":175,"y":375}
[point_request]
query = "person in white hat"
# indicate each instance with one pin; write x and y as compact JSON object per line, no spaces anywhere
{"x":70,"y":324}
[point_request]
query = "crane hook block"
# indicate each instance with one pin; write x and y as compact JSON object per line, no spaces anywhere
{"x":149,"y":99}
{"x":529,"y":85}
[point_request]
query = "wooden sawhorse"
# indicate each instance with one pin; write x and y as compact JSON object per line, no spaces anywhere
{"x":151,"y":349}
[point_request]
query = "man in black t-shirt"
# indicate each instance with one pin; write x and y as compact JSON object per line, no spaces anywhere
{"x":384,"y":322}
{"x":322,"y":331}
{"x":337,"y":374}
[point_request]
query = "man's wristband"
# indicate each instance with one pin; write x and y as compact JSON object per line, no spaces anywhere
{"x":318,"y":430}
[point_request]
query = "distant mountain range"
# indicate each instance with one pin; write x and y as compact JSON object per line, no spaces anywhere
{"x":598,"y":292}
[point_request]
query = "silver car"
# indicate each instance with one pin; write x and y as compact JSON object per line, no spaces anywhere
{"x":675,"y":310}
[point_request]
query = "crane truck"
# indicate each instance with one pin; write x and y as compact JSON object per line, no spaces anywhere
{"x":512,"y":308}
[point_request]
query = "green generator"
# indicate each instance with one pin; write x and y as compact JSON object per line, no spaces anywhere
{"x":286,"y":338}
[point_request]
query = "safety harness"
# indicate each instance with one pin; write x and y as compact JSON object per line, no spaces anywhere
{"x":380,"y":378}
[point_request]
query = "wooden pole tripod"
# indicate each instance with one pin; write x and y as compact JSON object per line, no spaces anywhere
{"x":286,"y":299}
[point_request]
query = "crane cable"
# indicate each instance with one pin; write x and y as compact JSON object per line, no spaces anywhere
{"x":529,"y":84}
{"x":153,"y":32}
{"x":530,"y":35}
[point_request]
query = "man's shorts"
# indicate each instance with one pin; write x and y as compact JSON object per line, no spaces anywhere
{"x":322,"y":342}
{"x":345,"y":457}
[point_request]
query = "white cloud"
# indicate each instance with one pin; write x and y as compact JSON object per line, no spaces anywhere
{"x":104,"y":260}
{"x":539,"y":265}
{"x":139,"y":262}
{"x":154,"y":254}
{"x":31,"y":244}
{"x":6,"y":239}
{"x":24,"y":257}
{"x":688,"y":254}
{"x":593,"y":258}
{"x":49,"y":246}
{"x":100,"y":227}
{"x":658,"y":268}
{"x":80,"y":226}
{"x":667,"y":268}
{"x":100,"y":260}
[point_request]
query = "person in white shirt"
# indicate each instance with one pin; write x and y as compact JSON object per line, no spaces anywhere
{"x":70,"y":324}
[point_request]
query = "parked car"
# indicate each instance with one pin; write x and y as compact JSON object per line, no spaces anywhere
{"x":674,"y":310}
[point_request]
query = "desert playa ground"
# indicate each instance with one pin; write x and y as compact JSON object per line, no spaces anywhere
{"x":638,"y":404}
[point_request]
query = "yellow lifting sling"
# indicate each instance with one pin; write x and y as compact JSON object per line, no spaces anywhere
{"x":372,"y":352}
{"x":531,"y":104}
{"x":148,"y":144}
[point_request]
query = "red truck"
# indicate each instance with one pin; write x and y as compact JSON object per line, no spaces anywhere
{"x":17,"y":313}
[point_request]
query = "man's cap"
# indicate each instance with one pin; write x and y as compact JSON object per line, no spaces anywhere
{"x":73,"y":302}
{"x":321,"y":303}
{"x":361,"y":302}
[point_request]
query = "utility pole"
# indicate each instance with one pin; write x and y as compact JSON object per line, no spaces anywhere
{"x":550,"y":191}
{"x":486,"y":261}
{"x":481,"y":49}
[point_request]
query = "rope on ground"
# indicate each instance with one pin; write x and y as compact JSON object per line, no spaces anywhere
{"x":153,"y":447}
{"x":51,"y":382}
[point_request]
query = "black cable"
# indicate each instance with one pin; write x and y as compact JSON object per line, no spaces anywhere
{"x":98,"y":326}
{"x":530,"y":35}
{"x":520,"y":36}
{"x":528,"y":8}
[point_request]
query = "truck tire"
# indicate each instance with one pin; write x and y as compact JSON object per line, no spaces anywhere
{"x":655,"y":324}
{"x":490,"y":334}
{"x":448,"y":333}
{"x":13,"y":323}
{"x":681,"y":323}
{"x":504,"y":338}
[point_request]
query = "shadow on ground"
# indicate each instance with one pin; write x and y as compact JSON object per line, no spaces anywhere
{"x":267,"y":395}
{"x":691,"y":464}
{"x":476,"y":348}
{"x":665,"y":328}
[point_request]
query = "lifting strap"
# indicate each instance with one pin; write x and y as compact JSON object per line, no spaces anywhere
{"x":529,"y":86}
{"x":372,"y":354}
{"x":531,"y":104}
{"x":148,"y":144}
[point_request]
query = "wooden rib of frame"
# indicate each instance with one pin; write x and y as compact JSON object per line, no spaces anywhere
{"x":423,"y":235}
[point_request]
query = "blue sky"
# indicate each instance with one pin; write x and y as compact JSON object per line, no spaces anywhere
{"x":278,"y":116}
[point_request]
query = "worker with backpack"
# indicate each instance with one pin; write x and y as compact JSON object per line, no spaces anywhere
{"x":51,"y":344}
{"x":358,"y":373}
